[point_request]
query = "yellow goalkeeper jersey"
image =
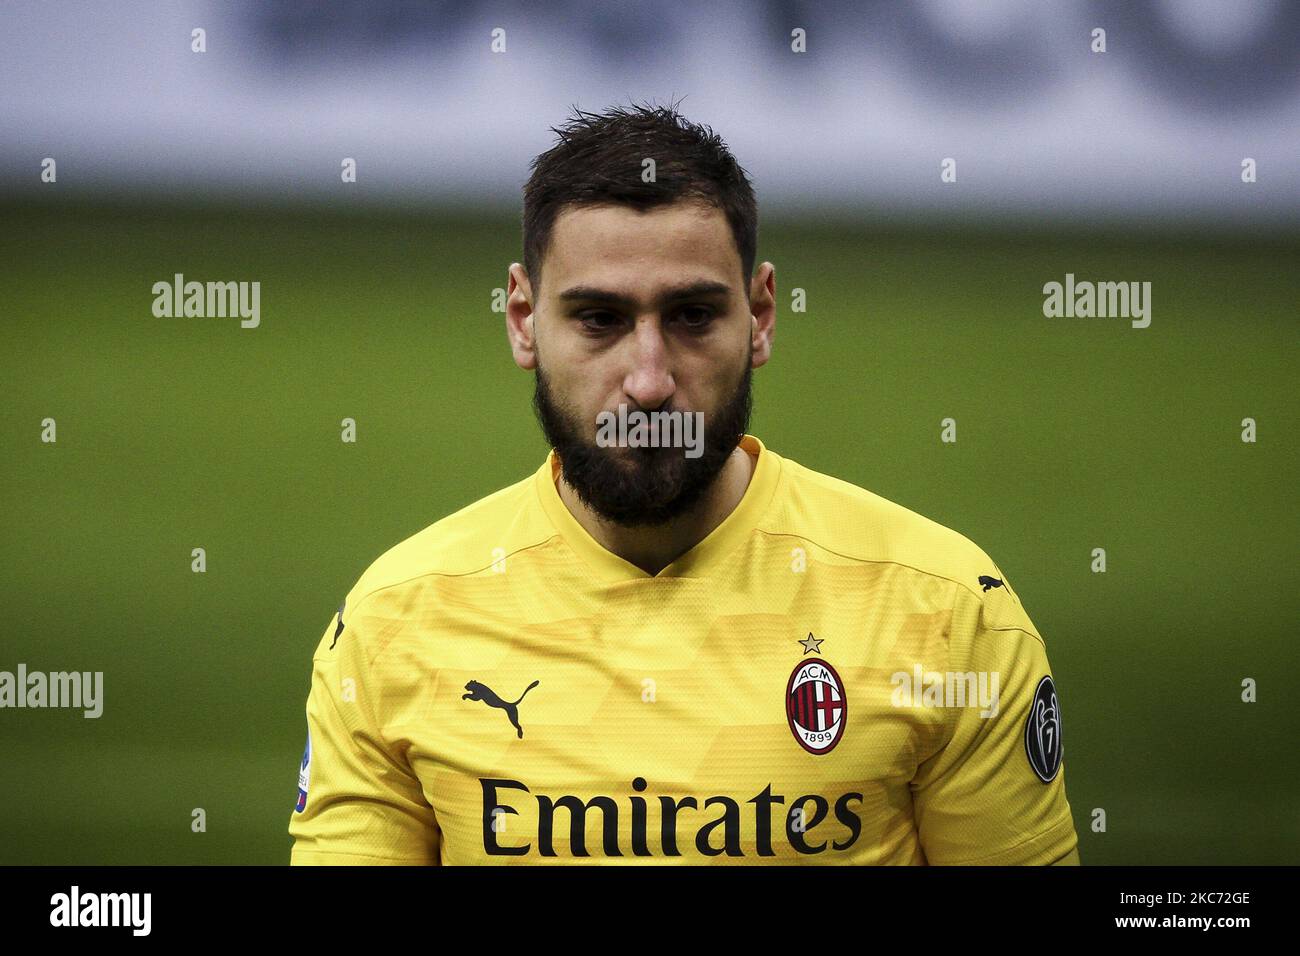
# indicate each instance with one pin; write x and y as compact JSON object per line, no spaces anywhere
{"x":827,"y":677}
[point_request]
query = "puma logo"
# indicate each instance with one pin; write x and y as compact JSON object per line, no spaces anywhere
{"x":486,"y":694}
{"x":989,"y":582}
{"x":339,"y":629}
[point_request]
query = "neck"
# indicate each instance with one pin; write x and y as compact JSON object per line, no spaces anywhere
{"x":654,"y":547}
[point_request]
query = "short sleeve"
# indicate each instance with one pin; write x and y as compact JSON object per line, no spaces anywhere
{"x":994,"y":794}
{"x":358,"y":800}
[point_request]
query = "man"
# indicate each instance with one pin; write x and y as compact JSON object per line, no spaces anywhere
{"x":671,"y":644}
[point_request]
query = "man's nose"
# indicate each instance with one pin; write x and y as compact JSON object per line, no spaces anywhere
{"x":650,"y":381}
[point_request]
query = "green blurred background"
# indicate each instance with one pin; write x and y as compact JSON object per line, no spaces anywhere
{"x":186,"y":432}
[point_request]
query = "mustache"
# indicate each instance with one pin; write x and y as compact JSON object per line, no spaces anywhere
{"x":638,"y":485}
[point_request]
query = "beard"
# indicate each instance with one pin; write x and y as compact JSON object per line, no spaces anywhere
{"x":640,"y":487}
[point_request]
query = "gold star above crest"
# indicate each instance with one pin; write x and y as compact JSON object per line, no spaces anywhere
{"x":811,"y":645}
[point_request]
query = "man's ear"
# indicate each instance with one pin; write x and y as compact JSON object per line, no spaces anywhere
{"x":762,"y":309}
{"x":520,"y":318}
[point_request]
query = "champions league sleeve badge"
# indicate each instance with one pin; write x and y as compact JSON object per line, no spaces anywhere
{"x":304,"y":776}
{"x":1043,"y":732}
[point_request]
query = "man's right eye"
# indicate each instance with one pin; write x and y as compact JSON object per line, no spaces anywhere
{"x":598,"y":321}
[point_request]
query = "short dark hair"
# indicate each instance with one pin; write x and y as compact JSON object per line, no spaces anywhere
{"x":598,"y":160}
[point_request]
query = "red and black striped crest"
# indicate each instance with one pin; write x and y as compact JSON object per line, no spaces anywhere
{"x":816,"y":705}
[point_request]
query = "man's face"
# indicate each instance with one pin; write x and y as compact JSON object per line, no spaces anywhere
{"x":646,"y":309}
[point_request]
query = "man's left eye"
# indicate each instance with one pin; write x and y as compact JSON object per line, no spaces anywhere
{"x":696,"y":316}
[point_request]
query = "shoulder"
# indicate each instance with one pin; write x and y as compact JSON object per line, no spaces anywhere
{"x":466,"y":542}
{"x":850,"y":523}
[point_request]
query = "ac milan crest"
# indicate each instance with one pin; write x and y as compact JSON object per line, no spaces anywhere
{"x":816,"y":706}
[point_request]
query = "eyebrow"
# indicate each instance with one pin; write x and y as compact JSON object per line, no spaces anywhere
{"x":705,"y":288}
